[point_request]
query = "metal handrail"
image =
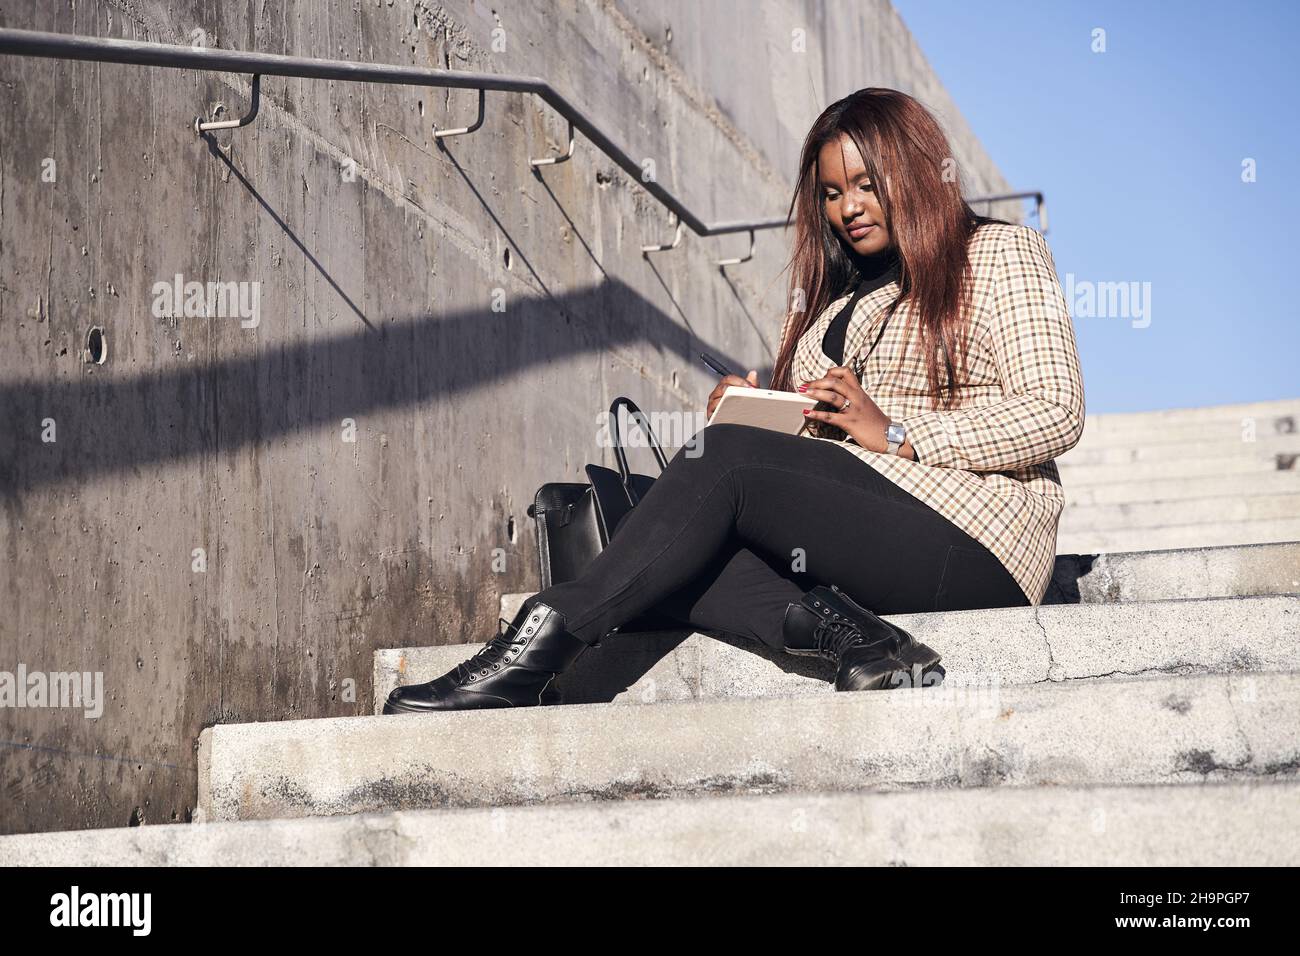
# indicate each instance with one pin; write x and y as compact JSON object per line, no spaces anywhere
{"x":1040,"y":205}
{"x":134,"y":52}
{"x":106,"y":50}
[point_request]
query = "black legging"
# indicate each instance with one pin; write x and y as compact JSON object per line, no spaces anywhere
{"x":744,"y":520}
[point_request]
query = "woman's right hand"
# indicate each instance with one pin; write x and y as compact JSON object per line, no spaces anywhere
{"x":751,"y":381}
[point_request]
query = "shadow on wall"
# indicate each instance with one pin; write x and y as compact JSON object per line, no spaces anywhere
{"x":109,"y":424}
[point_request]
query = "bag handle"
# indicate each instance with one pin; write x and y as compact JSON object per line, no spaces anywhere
{"x":634,"y":414}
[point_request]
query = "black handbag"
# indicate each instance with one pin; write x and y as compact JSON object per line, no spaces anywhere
{"x":575,"y":521}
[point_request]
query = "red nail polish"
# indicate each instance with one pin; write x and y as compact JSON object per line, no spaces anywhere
{"x":803,"y":388}
{"x":805,"y":411}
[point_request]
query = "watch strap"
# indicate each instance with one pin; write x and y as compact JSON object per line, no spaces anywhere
{"x":895,"y":436}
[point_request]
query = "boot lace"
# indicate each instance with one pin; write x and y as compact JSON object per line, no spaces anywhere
{"x":835,"y":636}
{"x":491,"y":653}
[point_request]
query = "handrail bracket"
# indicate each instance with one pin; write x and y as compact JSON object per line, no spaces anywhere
{"x":552,"y":160}
{"x":664,"y":247}
{"x":745,"y":258}
{"x":201,"y":127}
{"x":461,"y":131}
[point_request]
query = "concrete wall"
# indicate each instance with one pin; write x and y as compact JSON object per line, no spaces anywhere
{"x":377,"y":297}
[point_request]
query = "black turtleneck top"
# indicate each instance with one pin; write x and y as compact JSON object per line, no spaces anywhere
{"x":872,"y":276}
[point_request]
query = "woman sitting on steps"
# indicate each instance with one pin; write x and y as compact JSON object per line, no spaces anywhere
{"x":941,"y":346}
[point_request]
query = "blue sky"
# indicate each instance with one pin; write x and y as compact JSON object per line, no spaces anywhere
{"x":1139,"y":152}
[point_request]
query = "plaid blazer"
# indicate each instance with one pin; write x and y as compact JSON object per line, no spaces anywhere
{"x":986,"y":465}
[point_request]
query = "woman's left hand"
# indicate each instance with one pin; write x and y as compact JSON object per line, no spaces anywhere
{"x":862,"y":420}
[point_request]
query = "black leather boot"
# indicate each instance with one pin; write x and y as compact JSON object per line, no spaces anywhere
{"x":871,"y":653}
{"x":514,"y":669}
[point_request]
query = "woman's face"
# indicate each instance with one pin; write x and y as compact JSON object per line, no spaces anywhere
{"x":849,"y":197}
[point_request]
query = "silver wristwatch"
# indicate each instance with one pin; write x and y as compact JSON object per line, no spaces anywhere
{"x":895,"y":435}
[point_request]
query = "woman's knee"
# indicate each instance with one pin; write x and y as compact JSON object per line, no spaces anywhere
{"x":719,"y":450}
{"x":730,"y":442}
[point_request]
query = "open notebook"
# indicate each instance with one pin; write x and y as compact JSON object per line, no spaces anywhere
{"x":763,"y":408}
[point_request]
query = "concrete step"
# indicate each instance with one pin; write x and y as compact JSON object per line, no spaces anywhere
{"x":1085,"y":475}
{"x":1188,"y":511}
{"x":1214,"y":824}
{"x":1216,"y":534}
{"x":1227,"y":423}
{"x":1130,"y":576}
{"x":1117,"y":732}
{"x":993,"y":647}
{"x":1177,"y":489}
{"x":1120,"y":576}
{"x":1269,"y":446}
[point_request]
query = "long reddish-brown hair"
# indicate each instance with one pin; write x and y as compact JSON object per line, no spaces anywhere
{"x":910,"y":164}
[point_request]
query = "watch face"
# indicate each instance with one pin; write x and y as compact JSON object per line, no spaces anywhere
{"x":895,"y":433}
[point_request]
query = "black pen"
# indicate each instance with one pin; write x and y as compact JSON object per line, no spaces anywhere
{"x":717,"y":366}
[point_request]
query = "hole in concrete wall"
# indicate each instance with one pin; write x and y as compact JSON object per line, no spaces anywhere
{"x":674,"y":378}
{"x":506,"y":257}
{"x":96,"y":346}
{"x":419,"y":105}
{"x":511,"y":531}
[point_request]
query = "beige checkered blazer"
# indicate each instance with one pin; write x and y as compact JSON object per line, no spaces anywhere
{"x":986,"y":465}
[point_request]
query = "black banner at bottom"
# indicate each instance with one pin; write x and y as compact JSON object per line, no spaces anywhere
{"x":368,"y":906}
